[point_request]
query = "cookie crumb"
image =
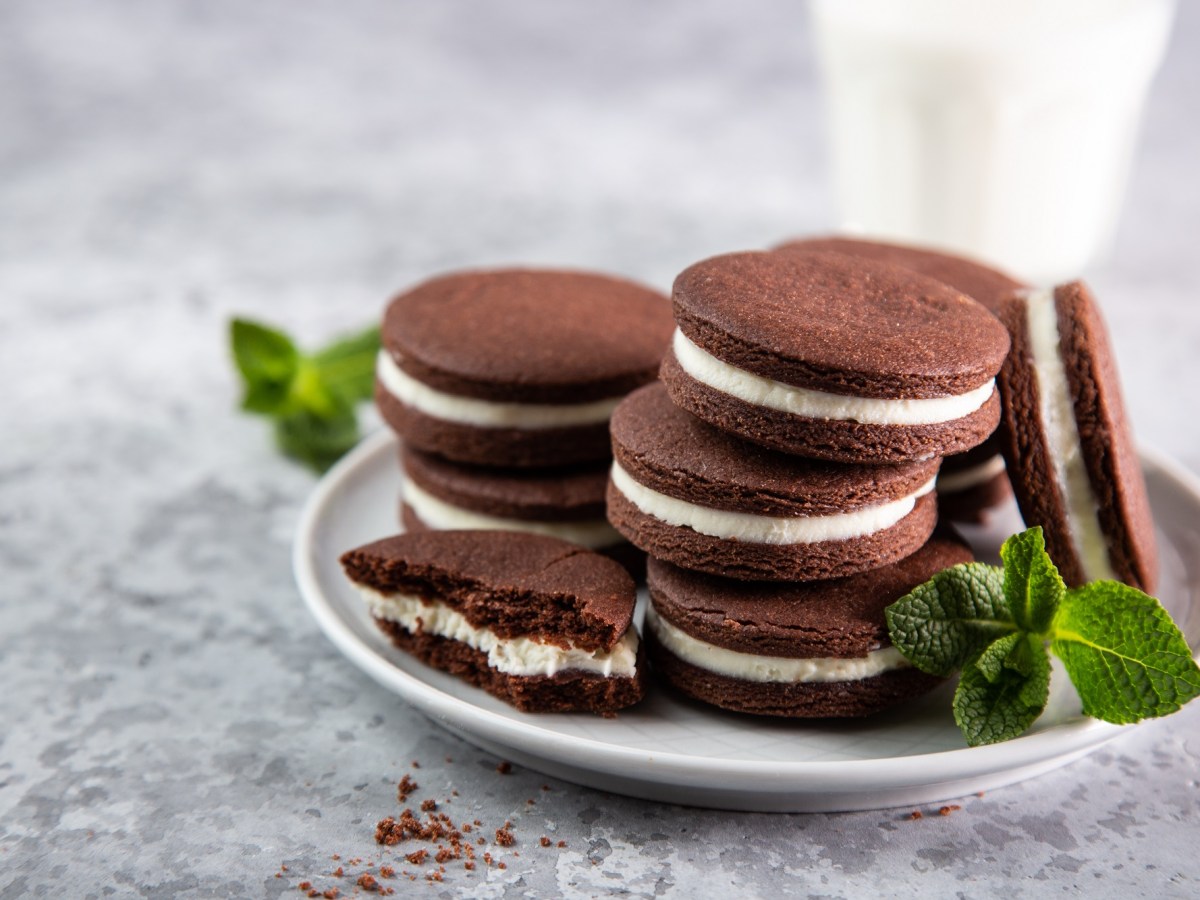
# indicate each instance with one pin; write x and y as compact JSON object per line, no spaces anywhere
{"x":504,"y":767}
{"x":415,"y":764}
{"x":417,"y":857}
{"x":504,"y":836}
{"x":428,"y":805}
{"x":339,"y":871}
{"x":562,"y":844}
{"x":304,"y":886}
{"x":331,"y":894}
{"x":946,"y":810}
{"x":405,"y":787}
{"x":387,"y":872}
{"x":544,"y":841}
{"x":469,"y":866}
{"x":367,"y":882}
{"x":916,"y":814}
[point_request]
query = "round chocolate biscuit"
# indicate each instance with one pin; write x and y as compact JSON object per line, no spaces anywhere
{"x":516,"y":367}
{"x":831,"y":357}
{"x":819,"y":649}
{"x":972,"y":483}
{"x":1070,"y":453}
{"x":692,"y":494}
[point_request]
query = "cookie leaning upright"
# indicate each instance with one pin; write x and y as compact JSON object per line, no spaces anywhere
{"x":831,"y":357}
{"x":1070,"y":453}
{"x":516,"y":367}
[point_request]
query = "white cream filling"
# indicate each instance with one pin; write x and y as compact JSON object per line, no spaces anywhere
{"x":962,"y":479}
{"x":486,"y":413}
{"x":784,"y":669}
{"x":1057,"y":413}
{"x":740,"y":526}
{"x":513,"y":656}
{"x":442,"y":516}
{"x":810,"y":404}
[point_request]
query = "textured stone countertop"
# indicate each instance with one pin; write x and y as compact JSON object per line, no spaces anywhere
{"x":172,"y":723}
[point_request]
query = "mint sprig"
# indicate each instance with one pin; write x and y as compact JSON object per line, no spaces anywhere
{"x":310,"y":398}
{"x":1127,"y":659}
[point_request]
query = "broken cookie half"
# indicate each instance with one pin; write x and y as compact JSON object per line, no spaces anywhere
{"x":538,"y":622}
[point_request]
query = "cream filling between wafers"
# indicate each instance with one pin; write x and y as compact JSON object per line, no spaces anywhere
{"x":777,"y":669}
{"x":487,"y":413}
{"x":522,"y":656}
{"x":741,"y":526}
{"x":442,"y":516}
{"x":1057,"y":412}
{"x":962,"y":479}
{"x":798,"y":401}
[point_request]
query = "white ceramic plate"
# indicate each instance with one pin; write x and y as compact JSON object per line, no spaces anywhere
{"x":674,"y":750}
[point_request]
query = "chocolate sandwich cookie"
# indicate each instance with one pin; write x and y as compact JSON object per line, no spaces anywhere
{"x":811,"y":650}
{"x":692,"y":494}
{"x":970,"y":483}
{"x":540,"y":623}
{"x":439,"y":495}
{"x":1071,"y":457}
{"x":832,"y":357}
{"x":516,"y":367}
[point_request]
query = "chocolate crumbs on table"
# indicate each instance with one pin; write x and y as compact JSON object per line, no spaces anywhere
{"x":544,"y":841}
{"x":428,"y":805}
{"x":504,"y":767}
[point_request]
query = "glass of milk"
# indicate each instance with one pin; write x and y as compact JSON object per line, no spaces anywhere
{"x":1002,"y":129}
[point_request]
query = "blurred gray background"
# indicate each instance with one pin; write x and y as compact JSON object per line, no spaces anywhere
{"x":170,"y":719}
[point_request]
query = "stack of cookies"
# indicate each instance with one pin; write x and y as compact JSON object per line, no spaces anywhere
{"x":782,"y":476}
{"x":501,"y":385}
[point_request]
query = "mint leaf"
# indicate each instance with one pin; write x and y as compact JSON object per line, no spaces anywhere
{"x":267,"y":360}
{"x":317,"y":440}
{"x":347,"y":366}
{"x":1002,"y":693}
{"x":310,"y":398}
{"x":1032,"y":585}
{"x":1125,"y":656}
{"x":944,"y":623}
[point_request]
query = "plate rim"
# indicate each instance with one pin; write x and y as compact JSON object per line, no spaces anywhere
{"x":1060,"y":740}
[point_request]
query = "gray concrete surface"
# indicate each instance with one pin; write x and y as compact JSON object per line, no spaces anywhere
{"x":171,"y":721}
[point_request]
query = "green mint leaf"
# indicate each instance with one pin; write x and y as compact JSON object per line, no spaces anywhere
{"x":1003,"y":692}
{"x":1125,"y":656}
{"x":317,"y":440}
{"x":1032,"y":585}
{"x":347,"y":366}
{"x":991,"y":661}
{"x":944,"y":623}
{"x":267,"y":360}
